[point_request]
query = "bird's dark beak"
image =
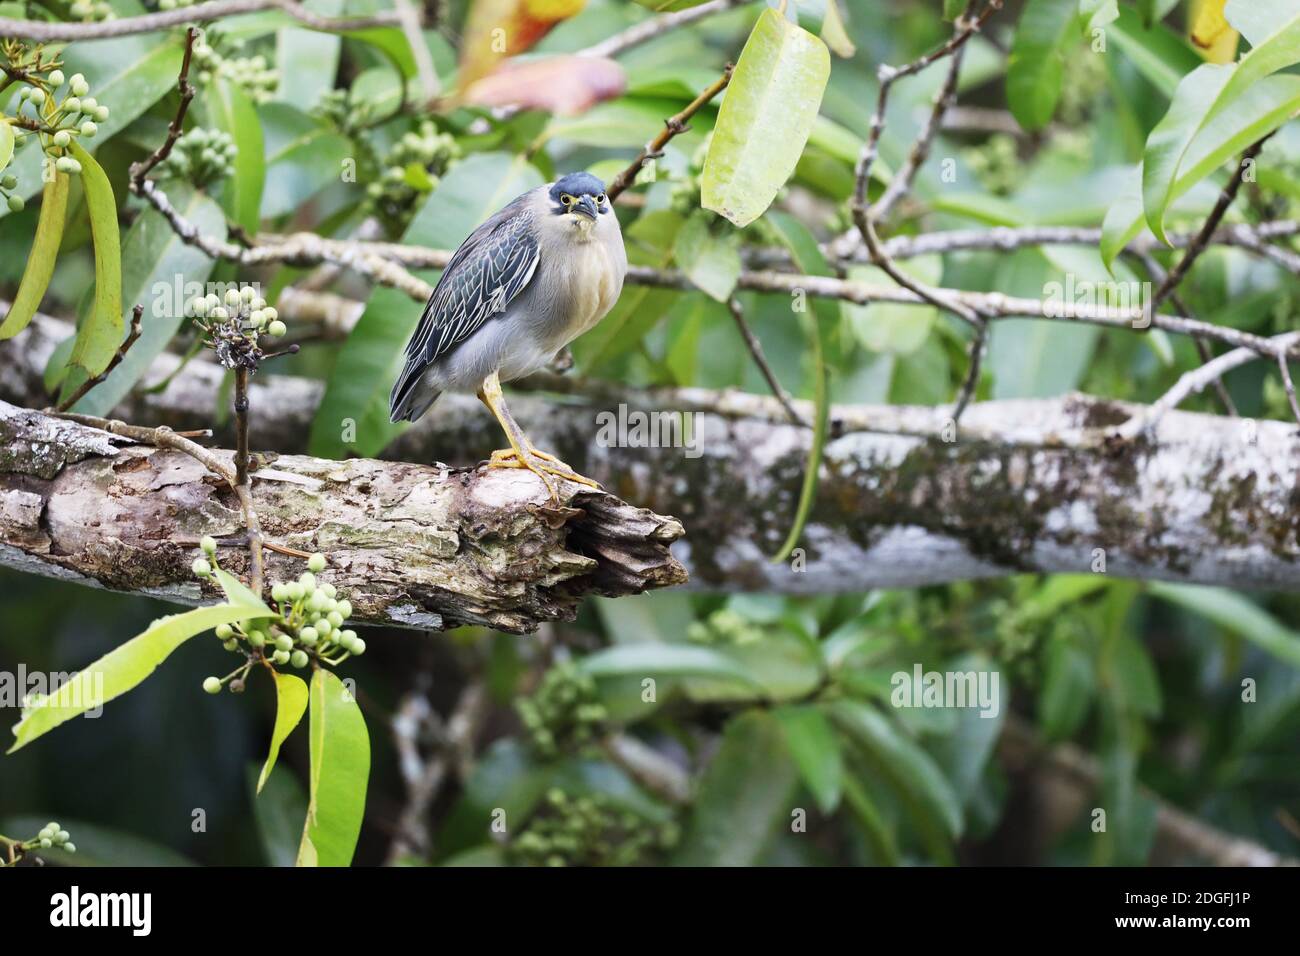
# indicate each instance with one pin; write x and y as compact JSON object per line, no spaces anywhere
{"x":587,"y":206}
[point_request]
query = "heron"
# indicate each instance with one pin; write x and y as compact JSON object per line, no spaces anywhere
{"x":527,"y":282}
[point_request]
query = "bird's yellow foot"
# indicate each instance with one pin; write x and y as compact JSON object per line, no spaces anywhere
{"x":541,"y":464}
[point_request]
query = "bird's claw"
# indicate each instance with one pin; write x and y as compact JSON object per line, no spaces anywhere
{"x":543,"y":465}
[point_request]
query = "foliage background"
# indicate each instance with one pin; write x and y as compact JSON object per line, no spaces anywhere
{"x":1147,"y":679}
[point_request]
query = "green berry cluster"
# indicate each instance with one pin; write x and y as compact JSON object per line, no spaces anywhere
{"x":13,"y":202}
{"x":349,"y":116}
{"x":234,"y":323}
{"x":202,"y":157}
{"x":51,"y":836}
{"x":308,"y":629}
{"x":410,"y":169}
{"x":88,"y":12}
{"x":249,"y":73}
{"x":564,"y":714}
{"x":590,"y":830}
{"x":57,"y":120}
{"x":724,"y":626}
{"x":996,"y":164}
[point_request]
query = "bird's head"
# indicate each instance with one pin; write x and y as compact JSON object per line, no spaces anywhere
{"x":580,"y":198}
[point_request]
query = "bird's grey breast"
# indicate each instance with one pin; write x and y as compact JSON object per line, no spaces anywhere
{"x":580,"y":273}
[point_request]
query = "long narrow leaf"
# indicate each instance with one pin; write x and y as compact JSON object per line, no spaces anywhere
{"x":340,"y":771}
{"x":40,"y":262}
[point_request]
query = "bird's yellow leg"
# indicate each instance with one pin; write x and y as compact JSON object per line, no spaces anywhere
{"x":521,"y":453}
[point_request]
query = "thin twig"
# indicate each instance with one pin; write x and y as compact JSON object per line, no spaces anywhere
{"x":1202,"y":240}
{"x":672,"y":127}
{"x":756,"y":350}
{"x":46,"y":32}
{"x":976,"y":360}
{"x":1289,"y":385}
{"x":142,"y":169}
{"x":132,"y":335}
{"x":657,"y":26}
{"x":243,"y":485}
{"x":409,"y":16}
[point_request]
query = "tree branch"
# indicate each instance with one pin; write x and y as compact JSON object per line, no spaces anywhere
{"x":657,"y":26}
{"x":410,"y":545}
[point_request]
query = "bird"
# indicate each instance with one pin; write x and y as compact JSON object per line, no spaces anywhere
{"x":528,"y":281}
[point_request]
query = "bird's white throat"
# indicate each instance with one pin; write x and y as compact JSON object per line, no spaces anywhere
{"x":584,"y":227}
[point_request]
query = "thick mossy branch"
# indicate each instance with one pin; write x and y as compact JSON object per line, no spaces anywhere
{"x":408,"y":544}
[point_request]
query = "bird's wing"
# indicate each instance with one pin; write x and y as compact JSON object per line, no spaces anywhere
{"x":490,"y":268}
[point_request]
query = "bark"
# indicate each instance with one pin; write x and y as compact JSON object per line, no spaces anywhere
{"x":1025,"y":485}
{"x":408,"y":544}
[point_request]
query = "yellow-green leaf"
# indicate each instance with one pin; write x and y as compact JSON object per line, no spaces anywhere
{"x":340,"y":770}
{"x":100,"y":333}
{"x":833,"y":32}
{"x":40,"y":261}
{"x":6,"y":143}
{"x":290,"y":705}
{"x":765,"y":119}
{"x":236,"y":592}
{"x":124,"y":667}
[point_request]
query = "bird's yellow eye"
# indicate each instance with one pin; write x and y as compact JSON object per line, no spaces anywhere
{"x":567,"y":199}
{"x":600,"y":200}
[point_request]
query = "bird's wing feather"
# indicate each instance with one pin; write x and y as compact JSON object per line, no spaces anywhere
{"x":485,"y":274}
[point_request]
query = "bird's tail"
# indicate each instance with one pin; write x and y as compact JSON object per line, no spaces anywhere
{"x":408,"y":401}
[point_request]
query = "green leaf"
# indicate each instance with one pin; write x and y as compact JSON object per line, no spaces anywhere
{"x":237,"y":592}
{"x":227,"y":107}
{"x":891,"y":326}
{"x":816,"y":751}
{"x":1208,"y":92}
{"x":290,"y":705}
{"x":833,"y":32}
{"x":878,"y":832}
{"x":278,"y":812}
{"x":1236,"y":614}
{"x":340,"y":772}
{"x":303,"y":156}
{"x":40,"y":261}
{"x":821,"y":326}
{"x":6,"y":142}
{"x":153,"y":257}
{"x":927,"y":795}
{"x":124,"y":667}
{"x":773,"y":98}
{"x":952,"y":9}
{"x":308,"y":61}
{"x":371,"y":358}
{"x":1256,"y":113}
{"x":99,"y":335}
{"x":709,"y":260}
{"x":1153,"y":11}
{"x":1036,"y":67}
{"x":663,"y":660}
{"x":1160,"y":54}
{"x":743,"y":796}
{"x":1067,"y":690}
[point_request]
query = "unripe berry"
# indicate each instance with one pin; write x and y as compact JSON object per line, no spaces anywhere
{"x":280,"y":657}
{"x":247,"y":294}
{"x":323,"y":627}
{"x":69,"y":848}
{"x":345,"y":608}
{"x":88,"y":103}
{"x":212,"y":685}
{"x":46,"y":844}
{"x":257,"y":318}
{"x":284,"y":642}
{"x":358,"y":647}
{"x":8,"y":182}
{"x":201,"y":568}
{"x":101,"y":113}
{"x":307,"y":580}
{"x":66,"y":164}
{"x":298,"y":659}
{"x":256,"y":638}
{"x":316,"y":602}
{"x":208,"y":544}
{"x":279,"y":592}
{"x":62,"y":138}
{"x":56,"y":78}
{"x":335,"y":618}
{"x":225,"y":632}
{"x":37,"y":95}
{"x":200,"y":306}
{"x":231,"y":645}
{"x":219,"y":314}
{"x":258,"y":302}
{"x":47,"y":833}
{"x":232,"y":296}
{"x":72,"y":105}
{"x":213,"y":300}
{"x":63,"y":837}
{"x":329,"y":590}
{"x":316,"y":562}
{"x":271,"y":314}
{"x":296,"y":591}
{"x":277,"y":329}
{"x":79,"y":85}
{"x":89,"y":129}
{"x":16,"y":203}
